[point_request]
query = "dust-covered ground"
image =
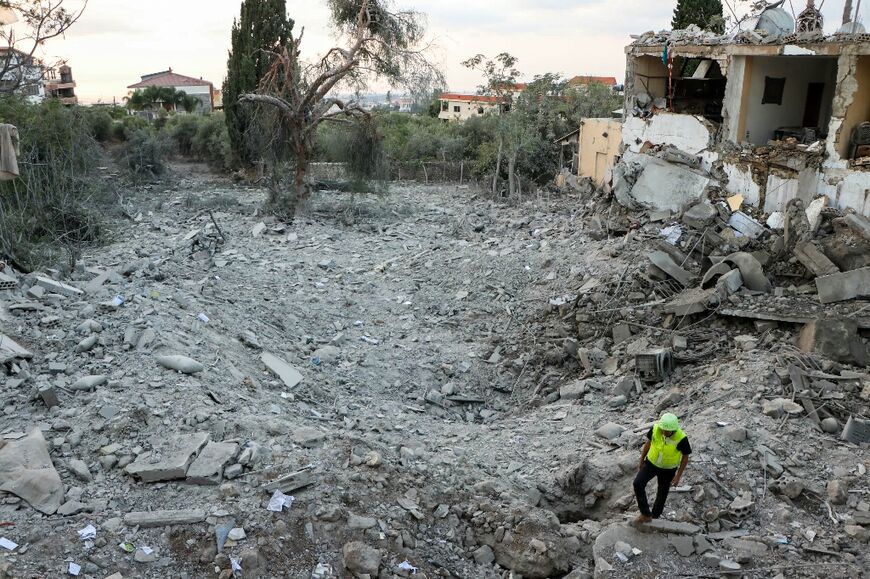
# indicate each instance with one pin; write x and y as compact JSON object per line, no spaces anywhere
{"x":435,"y":430}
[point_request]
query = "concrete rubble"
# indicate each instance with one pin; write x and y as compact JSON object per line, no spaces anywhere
{"x":465,"y":401}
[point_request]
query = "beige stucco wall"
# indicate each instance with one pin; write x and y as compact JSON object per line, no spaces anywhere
{"x":599,"y":146}
{"x":466,"y":110}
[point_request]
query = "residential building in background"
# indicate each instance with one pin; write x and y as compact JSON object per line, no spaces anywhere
{"x":60,"y":84}
{"x":204,"y":90}
{"x":461,"y":107}
{"x":22,"y":74}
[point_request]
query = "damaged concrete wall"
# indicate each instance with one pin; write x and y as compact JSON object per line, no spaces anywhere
{"x":855,"y":88}
{"x":763,"y":119}
{"x":600,"y":141}
{"x":690,"y":134}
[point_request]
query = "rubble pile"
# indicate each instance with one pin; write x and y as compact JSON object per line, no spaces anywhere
{"x":415,"y":386}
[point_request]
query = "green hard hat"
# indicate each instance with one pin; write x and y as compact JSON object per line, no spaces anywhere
{"x":669,"y":422}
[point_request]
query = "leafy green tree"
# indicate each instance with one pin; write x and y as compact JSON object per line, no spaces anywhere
{"x":262,"y":31}
{"x":706,"y":14}
{"x":153,"y":97}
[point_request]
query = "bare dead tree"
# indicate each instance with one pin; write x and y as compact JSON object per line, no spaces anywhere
{"x":38,"y":22}
{"x":294,"y":98}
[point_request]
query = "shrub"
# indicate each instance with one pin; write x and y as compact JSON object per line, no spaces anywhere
{"x":182,"y":129}
{"x":144,"y":154}
{"x":100,"y":124}
{"x":212,"y":142}
{"x":54,"y":208}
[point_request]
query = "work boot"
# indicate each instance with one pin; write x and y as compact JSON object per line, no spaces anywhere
{"x":641,"y":520}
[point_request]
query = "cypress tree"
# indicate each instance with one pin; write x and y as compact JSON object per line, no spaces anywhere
{"x":706,"y":14}
{"x":262,"y":28}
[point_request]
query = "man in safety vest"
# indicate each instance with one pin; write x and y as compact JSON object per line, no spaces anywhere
{"x":664,"y":457}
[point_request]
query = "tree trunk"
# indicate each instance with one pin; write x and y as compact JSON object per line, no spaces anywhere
{"x":512,"y":178}
{"x":497,"y":168}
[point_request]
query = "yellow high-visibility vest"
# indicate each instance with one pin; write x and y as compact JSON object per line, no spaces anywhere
{"x":663,"y":451}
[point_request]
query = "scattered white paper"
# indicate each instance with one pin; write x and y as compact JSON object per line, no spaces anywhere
{"x":279,"y":500}
{"x":74,"y":569}
{"x":202,"y":318}
{"x":672,"y":234}
{"x":146,"y":550}
{"x":406,"y":566}
{"x":7,"y":544}
{"x":89,"y":532}
{"x":236,"y":566}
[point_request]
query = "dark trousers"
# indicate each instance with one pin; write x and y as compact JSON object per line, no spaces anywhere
{"x":664,"y":476}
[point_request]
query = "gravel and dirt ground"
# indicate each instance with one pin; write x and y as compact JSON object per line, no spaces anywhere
{"x":428,"y":430}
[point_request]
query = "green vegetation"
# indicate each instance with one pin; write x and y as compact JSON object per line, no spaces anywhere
{"x":55,"y":208}
{"x":161,"y":97}
{"x":261,"y":31}
{"x":706,"y":14}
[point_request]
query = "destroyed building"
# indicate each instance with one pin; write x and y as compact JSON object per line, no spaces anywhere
{"x":765,"y":113}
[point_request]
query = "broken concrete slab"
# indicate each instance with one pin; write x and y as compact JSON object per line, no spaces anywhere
{"x":814,"y":211}
{"x":208,"y":467}
{"x":170,"y":460}
{"x":690,"y":301}
{"x":731,"y":281}
{"x":814,"y":260}
{"x":684,"y":544}
{"x":835,"y":338}
{"x":287,"y":373}
{"x":715,"y":273}
{"x":181,"y":364}
{"x":663,"y":185}
{"x":664,"y":262}
{"x":751,"y":270}
{"x":26,"y":471}
{"x":745,"y":225}
{"x":58,"y":287}
{"x":10,"y":350}
{"x":666,"y":526}
{"x":859,"y":224}
{"x":150,"y":519}
{"x":308,"y":437}
{"x":291,"y":482}
{"x":844,"y":286}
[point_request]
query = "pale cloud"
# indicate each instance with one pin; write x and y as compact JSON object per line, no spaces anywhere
{"x":117,"y":41}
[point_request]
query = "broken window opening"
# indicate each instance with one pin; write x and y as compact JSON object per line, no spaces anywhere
{"x":853,"y":139}
{"x":773,"y":90}
{"x":698,"y":88}
{"x":788,"y":97}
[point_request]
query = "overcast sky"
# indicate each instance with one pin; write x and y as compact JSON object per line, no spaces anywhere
{"x":117,"y":41}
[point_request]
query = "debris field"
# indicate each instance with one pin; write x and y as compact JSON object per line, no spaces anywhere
{"x":433,"y":383}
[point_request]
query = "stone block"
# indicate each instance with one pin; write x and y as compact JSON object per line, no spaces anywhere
{"x":170,"y":460}
{"x":663,"y":185}
{"x":684,"y":544}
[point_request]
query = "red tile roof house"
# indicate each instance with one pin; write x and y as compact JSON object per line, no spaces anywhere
{"x":201,"y":89}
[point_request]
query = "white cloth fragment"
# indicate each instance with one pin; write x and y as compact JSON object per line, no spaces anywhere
{"x":74,"y":569}
{"x":7,"y":544}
